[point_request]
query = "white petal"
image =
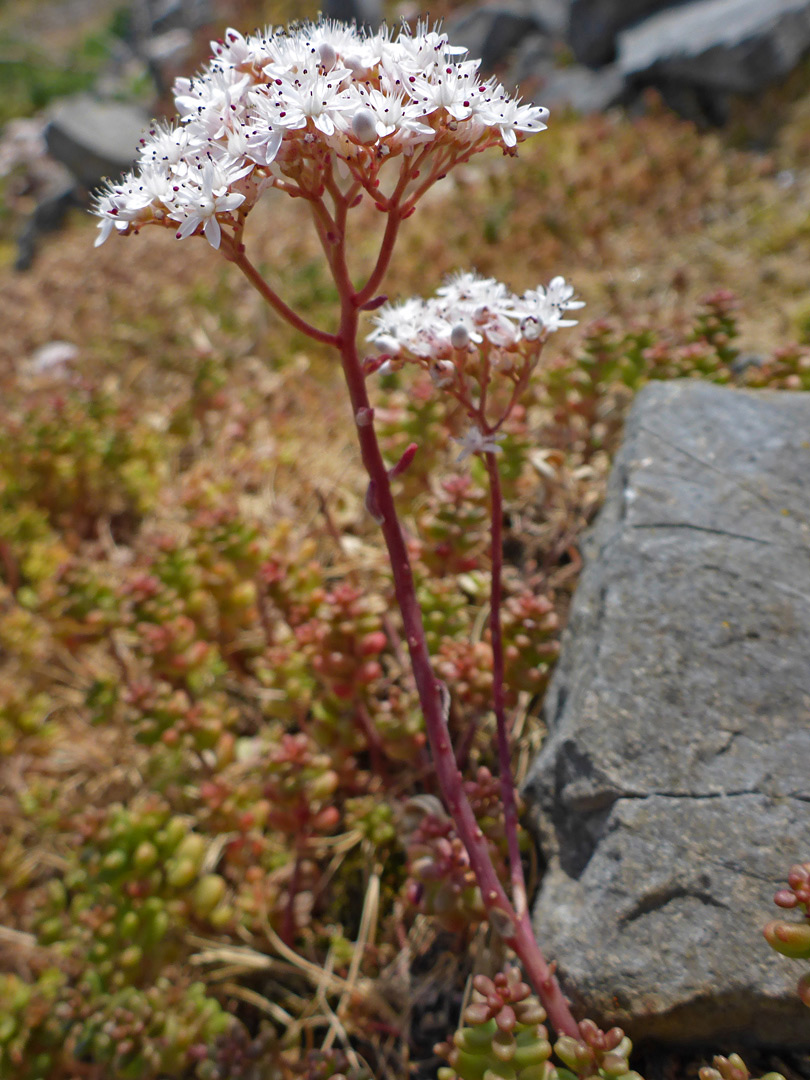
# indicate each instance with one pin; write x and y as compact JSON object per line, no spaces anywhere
{"x":213,"y":233}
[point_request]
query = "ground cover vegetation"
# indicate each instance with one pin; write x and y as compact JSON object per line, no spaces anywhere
{"x":223,"y":853}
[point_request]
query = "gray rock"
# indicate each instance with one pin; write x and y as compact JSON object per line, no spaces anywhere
{"x":48,"y":215}
{"x":552,"y":16}
{"x":166,"y":55}
{"x":94,"y":138}
{"x":583,"y":89}
{"x":671,"y":795}
{"x":363,"y":12}
{"x":593,"y":24}
{"x":165,"y":15}
{"x":735,"y":46}
{"x":490,"y":32}
{"x":531,"y":64}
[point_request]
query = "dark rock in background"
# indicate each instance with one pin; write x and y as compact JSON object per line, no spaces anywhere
{"x":491,"y":32}
{"x":583,"y":89}
{"x":695,"y":52}
{"x":165,"y":15}
{"x":551,"y":15}
{"x":94,"y":138}
{"x":734,"y":46}
{"x":593,"y":25}
{"x":166,"y":55}
{"x":671,"y":795}
{"x":363,"y":12}
{"x":48,"y":215}
{"x":532,"y":61}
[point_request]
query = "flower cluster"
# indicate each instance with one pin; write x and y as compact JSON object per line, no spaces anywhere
{"x":474,"y":328}
{"x":279,"y":108}
{"x":471,"y":312}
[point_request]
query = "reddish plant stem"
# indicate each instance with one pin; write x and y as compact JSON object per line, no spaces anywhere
{"x":514,"y":927}
{"x":386,"y":250}
{"x":510,"y":814}
{"x":236,"y":254}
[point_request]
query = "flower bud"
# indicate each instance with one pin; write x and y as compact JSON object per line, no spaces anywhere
{"x":388,"y":344}
{"x":459,"y":337}
{"x":364,"y":125}
{"x":531,"y":328}
{"x":327,"y":55}
{"x":442,"y":373}
{"x":355,"y":65}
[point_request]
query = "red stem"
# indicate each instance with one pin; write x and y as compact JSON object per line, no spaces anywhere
{"x":510,"y":814}
{"x":515,"y":927}
{"x":236,"y":254}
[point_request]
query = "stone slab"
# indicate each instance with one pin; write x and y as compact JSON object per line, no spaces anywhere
{"x":672,"y":793}
{"x":733,"y":46}
{"x":593,"y":25}
{"x":94,"y":138}
{"x":491,"y":31}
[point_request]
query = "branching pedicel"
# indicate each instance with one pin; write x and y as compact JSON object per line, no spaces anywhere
{"x":331,"y":115}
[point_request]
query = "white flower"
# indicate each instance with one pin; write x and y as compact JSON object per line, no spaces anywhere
{"x":199,"y":204}
{"x":394,"y":114}
{"x":235,"y":50}
{"x":127,"y":202}
{"x":494,"y":107}
{"x":300,"y":103}
{"x":451,"y":87}
{"x":215,"y":99}
{"x":475,"y":441}
{"x":468,"y":310}
{"x":542,"y":309}
{"x":311,"y":96}
{"x":172,"y":146}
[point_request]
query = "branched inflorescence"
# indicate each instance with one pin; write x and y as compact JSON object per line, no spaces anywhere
{"x":277,"y":109}
{"x":475,"y":338}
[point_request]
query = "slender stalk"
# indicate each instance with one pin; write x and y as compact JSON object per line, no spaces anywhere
{"x":510,"y":814}
{"x":386,"y":250}
{"x":514,"y":926}
{"x":236,"y":254}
